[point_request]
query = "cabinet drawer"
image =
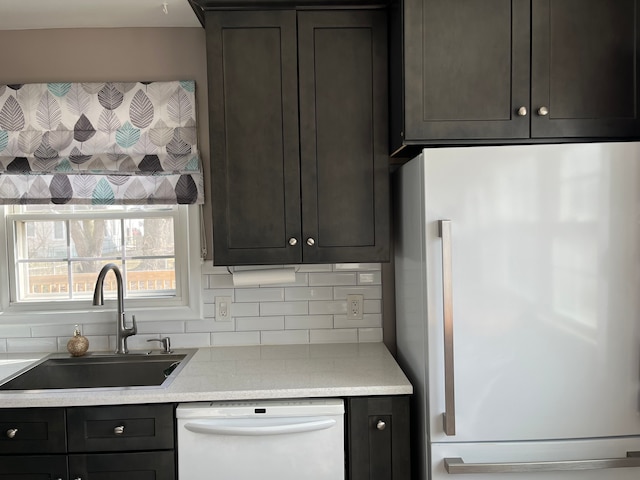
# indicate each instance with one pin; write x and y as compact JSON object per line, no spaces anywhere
{"x":35,"y":467}
{"x":124,"y":466}
{"x":111,"y":428}
{"x":26,"y":430}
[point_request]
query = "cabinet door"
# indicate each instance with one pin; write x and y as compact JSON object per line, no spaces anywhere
{"x":33,"y":467}
{"x":378,"y":436}
{"x":32,"y":430}
{"x":124,"y":466}
{"x":466,"y":69}
{"x":342,"y":59}
{"x":585,"y":69}
{"x":253,"y":116}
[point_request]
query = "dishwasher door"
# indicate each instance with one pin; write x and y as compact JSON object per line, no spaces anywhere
{"x":267,"y":440}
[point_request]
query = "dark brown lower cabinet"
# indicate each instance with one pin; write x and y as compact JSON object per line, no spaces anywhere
{"x":378,"y":438}
{"x":89,"y":443}
{"x":123,"y":466}
{"x":33,"y":467}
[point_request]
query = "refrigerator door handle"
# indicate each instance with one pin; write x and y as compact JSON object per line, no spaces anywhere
{"x":449,"y":416}
{"x":458,"y":466}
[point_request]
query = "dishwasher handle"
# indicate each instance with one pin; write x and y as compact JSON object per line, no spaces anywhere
{"x":253,"y":428}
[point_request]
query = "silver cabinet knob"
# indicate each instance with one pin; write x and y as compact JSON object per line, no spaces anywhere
{"x":381,"y":425}
{"x":78,"y":478}
{"x":119,"y":430}
{"x":11,"y":433}
{"x":543,"y":111}
{"x":293,"y":241}
{"x":522,"y":111}
{"x":311,"y":242}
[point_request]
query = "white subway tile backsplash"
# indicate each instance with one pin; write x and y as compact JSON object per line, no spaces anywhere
{"x":164,"y":327}
{"x":259,"y":323}
{"x":208,"y":310}
{"x":368,"y":292}
{"x":285,"y":337}
{"x":334,"y":336}
{"x":15,"y":331}
{"x":311,"y":310}
{"x":372,"y":306}
{"x":210,"y":325}
{"x":235,"y":338}
{"x":221,"y":281}
{"x":245,"y":309}
{"x":103,"y":329}
{"x":189,"y":340}
{"x":308,"y":293}
{"x":259,"y":295}
{"x":284,"y":308}
{"x":340,"y":267}
{"x":302,"y":322}
{"x":314,"y":268}
{"x":328,"y":308}
{"x":370,"y":278}
{"x":24,"y":345}
{"x":368,"y":321}
{"x":54,"y":330}
{"x":369,"y":335}
{"x":329,"y":279}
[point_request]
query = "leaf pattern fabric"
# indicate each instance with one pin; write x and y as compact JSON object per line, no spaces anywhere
{"x":99,"y":143}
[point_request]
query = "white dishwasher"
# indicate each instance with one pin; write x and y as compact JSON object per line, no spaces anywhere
{"x":266,"y":440}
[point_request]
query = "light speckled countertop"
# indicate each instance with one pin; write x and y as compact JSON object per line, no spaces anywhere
{"x":238,"y":373}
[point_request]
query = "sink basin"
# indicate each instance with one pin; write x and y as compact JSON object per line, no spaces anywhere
{"x":59,"y":371}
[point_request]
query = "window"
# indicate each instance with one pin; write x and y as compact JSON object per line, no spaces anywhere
{"x":54,"y":254}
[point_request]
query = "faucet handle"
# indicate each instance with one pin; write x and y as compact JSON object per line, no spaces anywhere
{"x":134,"y":329}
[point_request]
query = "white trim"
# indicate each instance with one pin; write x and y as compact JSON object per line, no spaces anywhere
{"x":185,"y":307}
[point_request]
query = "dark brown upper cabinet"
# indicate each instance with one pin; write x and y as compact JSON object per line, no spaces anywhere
{"x":514,"y":71}
{"x":298,"y":123}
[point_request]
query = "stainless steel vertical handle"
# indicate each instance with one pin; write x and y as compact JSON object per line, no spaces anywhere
{"x":449,"y":416}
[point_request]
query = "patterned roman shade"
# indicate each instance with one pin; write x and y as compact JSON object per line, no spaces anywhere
{"x":99,"y":144}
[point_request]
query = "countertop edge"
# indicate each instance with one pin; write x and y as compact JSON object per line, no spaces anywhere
{"x":248,"y":373}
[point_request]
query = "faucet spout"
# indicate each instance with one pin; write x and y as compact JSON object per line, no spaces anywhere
{"x":122,"y":332}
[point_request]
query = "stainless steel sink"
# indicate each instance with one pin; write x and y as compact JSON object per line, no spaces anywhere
{"x":100,"y":371}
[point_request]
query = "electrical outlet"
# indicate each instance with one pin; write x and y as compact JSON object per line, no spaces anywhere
{"x":354,"y":307}
{"x":223,"y":309}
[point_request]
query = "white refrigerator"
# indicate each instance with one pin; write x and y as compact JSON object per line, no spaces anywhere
{"x":518,"y":310}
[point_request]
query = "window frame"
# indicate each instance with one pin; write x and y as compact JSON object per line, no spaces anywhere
{"x":187,"y":304}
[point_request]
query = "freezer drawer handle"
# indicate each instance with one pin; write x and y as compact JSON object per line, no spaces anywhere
{"x":449,"y":416}
{"x":219,"y":428}
{"x":457,"y":465}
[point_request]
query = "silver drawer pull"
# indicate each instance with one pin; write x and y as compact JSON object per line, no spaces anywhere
{"x":457,"y":465}
{"x":11,"y":433}
{"x":381,"y":425}
{"x":119,"y":430}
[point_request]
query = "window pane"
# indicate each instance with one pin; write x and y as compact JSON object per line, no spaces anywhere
{"x":84,"y":275}
{"x":44,"y":280}
{"x":94,"y":238}
{"x":149,"y":237}
{"x":42,"y":239}
{"x":151,"y":275}
{"x":59,"y":253}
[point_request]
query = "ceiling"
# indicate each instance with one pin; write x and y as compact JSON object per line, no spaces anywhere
{"x":39,"y":14}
